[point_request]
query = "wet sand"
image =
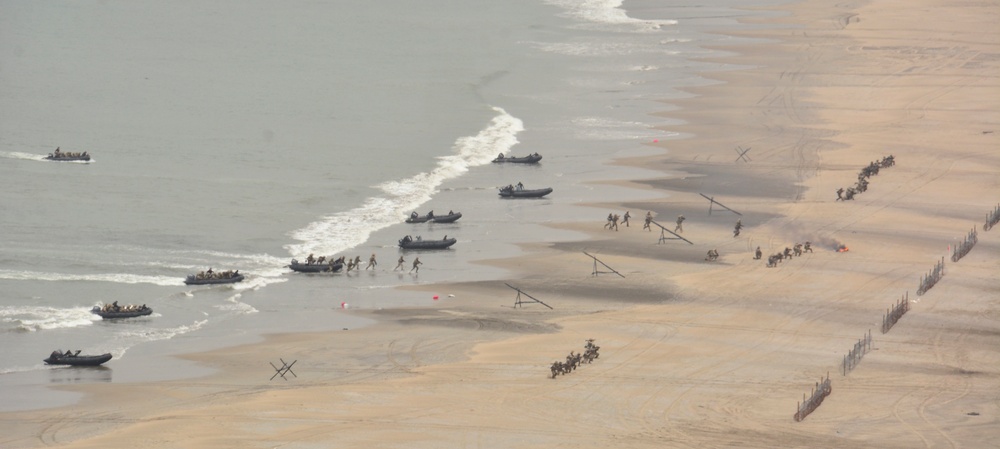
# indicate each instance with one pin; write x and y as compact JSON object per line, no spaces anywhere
{"x":693,"y":353}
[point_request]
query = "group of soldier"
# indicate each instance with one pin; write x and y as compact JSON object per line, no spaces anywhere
{"x":114,"y":307}
{"x":59,"y":153}
{"x":355,"y":263}
{"x":209,"y":274}
{"x":613,"y":221}
{"x":797,"y":250}
{"x":573,"y":360}
{"x":863,"y":176}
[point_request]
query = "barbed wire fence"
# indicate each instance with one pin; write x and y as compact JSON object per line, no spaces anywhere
{"x":853,"y":357}
{"x":895,"y":313}
{"x":992,"y":219}
{"x":820,"y":391}
{"x":963,"y":248}
{"x":932,"y":277}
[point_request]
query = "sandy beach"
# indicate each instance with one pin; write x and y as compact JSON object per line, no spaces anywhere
{"x":692,"y":353}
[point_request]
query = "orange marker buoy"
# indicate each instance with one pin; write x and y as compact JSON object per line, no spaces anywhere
{"x":656,"y":140}
{"x":435,"y":297}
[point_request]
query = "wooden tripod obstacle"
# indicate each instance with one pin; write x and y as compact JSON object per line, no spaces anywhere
{"x":285,"y":368}
{"x":742,"y":154}
{"x":663,"y":235}
{"x":598,"y":261}
{"x":712,"y":201}
{"x":518,"y":302}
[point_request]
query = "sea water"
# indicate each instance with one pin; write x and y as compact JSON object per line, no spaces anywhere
{"x":242,"y":134}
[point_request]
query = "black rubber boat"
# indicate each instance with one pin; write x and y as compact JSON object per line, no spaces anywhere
{"x":529,"y":159}
{"x":68,"y":157}
{"x":315,"y":267}
{"x":194,"y":280}
{"x":409,"y":243}
{"x":129,"y":311}
{"x":515,"y":193}
{"x":450,"y":218}
{"x":57,"y":358}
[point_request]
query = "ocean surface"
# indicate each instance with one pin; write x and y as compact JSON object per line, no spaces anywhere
{"x":242,"y":134}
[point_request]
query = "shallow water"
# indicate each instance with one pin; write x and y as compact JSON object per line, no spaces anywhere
{"x":238,"y":135}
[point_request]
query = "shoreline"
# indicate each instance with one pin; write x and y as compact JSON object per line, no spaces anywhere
{"x":698,"y":354}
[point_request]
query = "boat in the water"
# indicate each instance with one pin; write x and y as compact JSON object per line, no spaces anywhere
{"x":64,"y":156}
{"x":214,"y":277}
{"x":529,"y":159}
{"x":111,"y":311}
{"x":75,"y":359}
{"x":321,"y":267}
{"x":430,"y":217}
{"x":521,"y":192}
{"x":419,"y":243}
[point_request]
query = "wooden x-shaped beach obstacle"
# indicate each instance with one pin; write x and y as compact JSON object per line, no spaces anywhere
{"x":285,"y":368}
{"x":742,"y":154}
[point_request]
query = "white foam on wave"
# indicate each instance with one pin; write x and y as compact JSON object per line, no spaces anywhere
{"x":36,"y":318}
{"x":607,"y":12}
{"x":131,"y":337}
{"x":344,"y":230}
{"x":121,"y":278}
{"x":234,"y":305}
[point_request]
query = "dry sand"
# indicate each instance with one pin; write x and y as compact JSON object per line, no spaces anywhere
{"x":693,"y":354}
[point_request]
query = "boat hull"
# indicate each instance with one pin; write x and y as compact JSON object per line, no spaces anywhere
{"x":315,"y":267}
{"x":530,"y":159}
{"x":79,"y":360}
{"x":535,"y":193}
{"x":427,"y":244}
{"x":68,"y":159}
{"x":451,"y":218}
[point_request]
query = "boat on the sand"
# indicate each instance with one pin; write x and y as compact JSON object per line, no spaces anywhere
{"x":512,"y":192}
{"x":418,"y":243}
{"x":75,"y":359}
{"x":322,"y":267}
{"x":450,"y":218}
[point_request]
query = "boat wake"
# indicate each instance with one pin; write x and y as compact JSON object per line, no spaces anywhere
{"x":37,"y":318}
{"x":121,"y":278}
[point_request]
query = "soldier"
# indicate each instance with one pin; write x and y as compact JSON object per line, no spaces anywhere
{"x":840,"y":194}
{"x":649,"y":219}
{"x":808,"y":247}
{"x":371,"y":262}
{"x":739,"y":225}
{"x":758,"y":254}
{"x":788,"y":253}
{"x":679,"y":227}
{"x":310,"y":259}
{"x":614,"y":222}
{"x":416,"y":264}
{"x":399,"y":265}
{"x":625,"y":219}
{"x":798,"y":249}
{"x":608,"y":224}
